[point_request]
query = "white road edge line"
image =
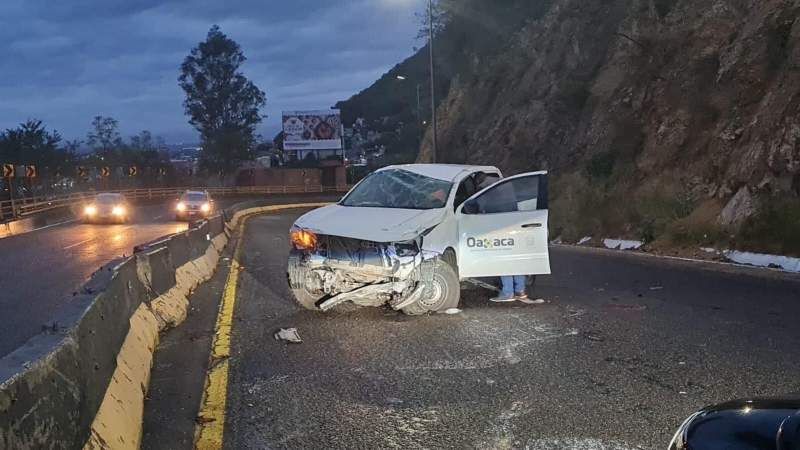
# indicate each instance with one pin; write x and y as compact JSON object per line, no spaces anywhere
{"x":49,"y":226}
{"x":78,"y":243}
{"x":679,"y":258}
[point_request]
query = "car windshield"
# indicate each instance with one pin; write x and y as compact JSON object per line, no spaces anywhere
{"x":194,"y":197}
{"x":397,"y":188}
{"x":107,"y":199}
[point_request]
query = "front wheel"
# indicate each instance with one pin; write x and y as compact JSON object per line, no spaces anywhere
{"x":442,"y":292}
{"x":306,"y":299}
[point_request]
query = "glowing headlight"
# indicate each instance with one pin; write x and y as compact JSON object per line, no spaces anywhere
{"x":118,"y":211}
{"x":181,"y":206}
{"x":90,"y":210}
{"x":206,"y":207}
{"x":303,"y":239}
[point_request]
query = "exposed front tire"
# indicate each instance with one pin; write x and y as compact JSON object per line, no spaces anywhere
{"x":442,"y":292}
{"x":306,"y":299}
{"x":299,"y":279}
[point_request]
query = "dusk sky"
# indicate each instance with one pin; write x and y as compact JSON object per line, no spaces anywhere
{"x":66,"y":61}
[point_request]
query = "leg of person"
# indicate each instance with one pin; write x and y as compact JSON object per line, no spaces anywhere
{"x":519,"y":287}
{"x":507,"y":294}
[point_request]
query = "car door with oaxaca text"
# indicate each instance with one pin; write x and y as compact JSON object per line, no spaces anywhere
{"x":503,"y":229}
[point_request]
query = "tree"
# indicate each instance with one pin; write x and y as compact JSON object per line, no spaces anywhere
{"x":104,"y":138}
{"x":143,"y":141}
{"x":31,"y":143}
{"x":222,"y":104}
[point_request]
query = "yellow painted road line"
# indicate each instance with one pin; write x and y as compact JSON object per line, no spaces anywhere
{"x":211,"y":419}
{"x":212,"y":413}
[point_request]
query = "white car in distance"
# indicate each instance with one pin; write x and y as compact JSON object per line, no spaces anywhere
{"x":407,"y":235}
{"x":194,"y":205}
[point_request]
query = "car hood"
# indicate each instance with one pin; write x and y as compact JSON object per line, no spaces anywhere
{"x":371,"y":224}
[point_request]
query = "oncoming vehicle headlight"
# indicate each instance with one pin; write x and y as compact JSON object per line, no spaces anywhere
{"x":206,"y":207}
{"x":90,"y":210}
{"x":181,"y":206}
{"x":118,"y":211}
{"x":303,"y":239}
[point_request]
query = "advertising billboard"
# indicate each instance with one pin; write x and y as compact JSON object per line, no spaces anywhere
{"x":312,"y":130}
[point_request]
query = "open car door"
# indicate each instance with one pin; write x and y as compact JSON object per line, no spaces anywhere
{"x":502,"y":230}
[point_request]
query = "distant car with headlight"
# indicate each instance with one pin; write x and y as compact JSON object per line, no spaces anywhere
{"x":407,"y":235}
{"x":107,"y":208}
{"x":194,"y":205}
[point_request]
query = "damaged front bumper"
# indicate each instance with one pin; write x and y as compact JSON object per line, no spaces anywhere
{"x":365,"y":273}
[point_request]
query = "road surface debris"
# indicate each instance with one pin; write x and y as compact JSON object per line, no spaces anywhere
{"x":289,"y":335}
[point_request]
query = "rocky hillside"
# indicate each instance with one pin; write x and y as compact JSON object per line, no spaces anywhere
{"x":673,"y":121}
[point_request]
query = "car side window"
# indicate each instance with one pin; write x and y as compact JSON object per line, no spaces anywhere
{"x":520,"y":194}
{"x":465,"y":190}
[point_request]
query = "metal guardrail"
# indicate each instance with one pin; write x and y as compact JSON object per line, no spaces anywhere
{"x":23,"y":207}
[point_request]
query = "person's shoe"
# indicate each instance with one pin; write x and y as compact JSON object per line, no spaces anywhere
{"x":522,"y":296}
{"x":503,"y":299}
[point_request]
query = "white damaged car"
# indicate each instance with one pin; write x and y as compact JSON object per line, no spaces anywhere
{"x":407,"y":235}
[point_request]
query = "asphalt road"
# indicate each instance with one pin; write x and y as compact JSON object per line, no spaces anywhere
{"x":626,"y":347}
{"x":40,"y":270}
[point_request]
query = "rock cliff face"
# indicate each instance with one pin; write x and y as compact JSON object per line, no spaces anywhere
{"x":661,"y":119}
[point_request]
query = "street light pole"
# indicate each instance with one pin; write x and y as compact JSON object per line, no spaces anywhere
{"x":433,"y":80}
{"x":419,"y":110}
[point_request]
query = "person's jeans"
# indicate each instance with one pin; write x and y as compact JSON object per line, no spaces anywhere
{"x":513,"y":285}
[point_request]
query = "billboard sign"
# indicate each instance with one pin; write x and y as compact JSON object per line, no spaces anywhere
{"x":312,"y":130}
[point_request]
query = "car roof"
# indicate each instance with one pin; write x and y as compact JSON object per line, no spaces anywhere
{"x":448,"y":172}
{"x":109,"y":194}
{"x":195,"y":192}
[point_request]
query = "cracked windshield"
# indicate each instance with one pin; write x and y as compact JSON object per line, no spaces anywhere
{"x":422,"y":224}
{"x":397,"y":188}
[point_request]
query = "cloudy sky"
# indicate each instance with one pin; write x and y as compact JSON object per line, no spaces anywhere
{"x":65,"y":61}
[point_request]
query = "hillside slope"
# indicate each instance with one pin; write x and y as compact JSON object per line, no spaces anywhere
{"x":674,"y":121}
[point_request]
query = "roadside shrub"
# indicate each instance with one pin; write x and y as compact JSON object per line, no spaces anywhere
{"x":775,"y":229}
{"x":686,"y":234}
{"x":601,"y":165}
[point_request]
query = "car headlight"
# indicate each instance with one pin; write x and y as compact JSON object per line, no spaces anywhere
{"x":181,"y":206}
{"x":118,"y":211}
{"x":206,"y":207}
{"x":90,"y":210}
{"x":303,"y":239}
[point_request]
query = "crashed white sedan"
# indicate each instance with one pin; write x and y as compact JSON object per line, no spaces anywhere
{"x":406,"y":235}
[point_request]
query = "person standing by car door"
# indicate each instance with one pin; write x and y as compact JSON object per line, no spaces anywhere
{"x":507,"y":199}
{"x":513,"y":289}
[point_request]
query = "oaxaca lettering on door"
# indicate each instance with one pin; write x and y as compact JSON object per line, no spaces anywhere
{"x":503,"y":230}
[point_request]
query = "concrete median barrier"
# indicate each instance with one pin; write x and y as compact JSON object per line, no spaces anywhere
{"x":81,"y":383}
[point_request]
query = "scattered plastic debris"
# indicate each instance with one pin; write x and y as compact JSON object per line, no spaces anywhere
{"x":683,"y":392}
{"x":289,"y":335}
{"x":627,"y":307}
{"x":621,"y":244}
{"x":681,"y":363}
{"x":594,"y":337}
{"x":451,"y":311}
{"x":656,"y":288}
{"x":575,"y":312}
{"x":763,"y":260}
{"x":538,"y":301}
{"x":556,"y":241}
{"x":584,"y":240}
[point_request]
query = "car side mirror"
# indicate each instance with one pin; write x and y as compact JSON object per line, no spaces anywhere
{"x":470,"y":207}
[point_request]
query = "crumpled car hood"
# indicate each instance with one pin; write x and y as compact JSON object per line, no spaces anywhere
{"x":371,"y":224}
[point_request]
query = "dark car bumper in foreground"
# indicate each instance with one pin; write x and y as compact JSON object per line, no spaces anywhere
{"x":766,"y":423}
